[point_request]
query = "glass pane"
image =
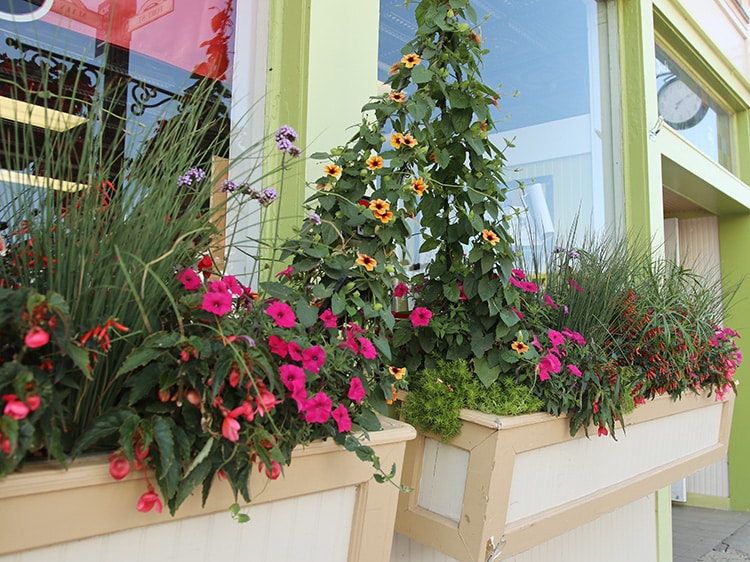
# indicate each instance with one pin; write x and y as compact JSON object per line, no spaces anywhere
{"x":555,"y":56}
{"x":688,"y":109}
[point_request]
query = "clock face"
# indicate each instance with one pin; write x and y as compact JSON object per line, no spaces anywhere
{"x":680,"y":106}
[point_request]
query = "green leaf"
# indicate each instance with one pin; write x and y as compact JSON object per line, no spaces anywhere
{"x":509,"y":317}
{"x":338,"y":304}
{"x":487,"y":288}
{"x":306,"y":313}
{"x":461,"y":119}
{"x":143,"y":381}
{"x":102,"y":427}
{"x":368,"y":421}
{"x":194,"y":478}
{"x":485,"y":373}
{"x":481,"y":343}
{"x":452,"y":292}
{"x":153,"y":346}
{"x":165,"y":439}
{"x":421,"y":74}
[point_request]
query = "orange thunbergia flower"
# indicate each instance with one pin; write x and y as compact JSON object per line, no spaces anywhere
{"x":409,"y":141}
{"x":397,"y":372}
{"x":419,"y":186}
{"x":396,"y":140}
{"x":519,"y":347}
{"x":395,"y":395}
{"x":332,"y":170}
{"x":490,"y":236}
{"x":374,"y":162}
{"x":366,"y":261}
{"x":384,"y":217}
{"x":399,"y":97}
{"x":394,"y":68}
{"x":411,"y":60}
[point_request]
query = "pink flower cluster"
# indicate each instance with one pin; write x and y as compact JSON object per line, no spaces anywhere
{"x":551,"y":361}
{"x":518,"y":279}
{"x":17,"y":410}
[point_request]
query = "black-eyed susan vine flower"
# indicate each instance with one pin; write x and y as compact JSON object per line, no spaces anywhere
{"x":397,"y":140}
{"x":374,"y":162}
{"x":366,"y":261}
{"x":408,"y":141}
{"x":419,"y":186}
{"x":397,"y":372}
{"x":332,"y":170}
{"x":398,"y":97}
{"x":381,"y":210}
{"x":490,"y":236}
{"x":411,"y":60}
{"x":519,"y":347}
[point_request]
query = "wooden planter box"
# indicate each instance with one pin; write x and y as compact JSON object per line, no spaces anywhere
{"x":507,"y":484}
{"x":326,"y":507}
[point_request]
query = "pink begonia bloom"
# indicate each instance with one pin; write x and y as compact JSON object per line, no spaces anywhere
{"x":313,"y":358}
{"x":234,"y":376}
{"x":275,"y":471}
{"x":549,"y":364}
{"x":556,"y":338}
{"x":602,"y":431}
{"x":329,"y":319}
{"x":33,"y":402}
{"x":36,"y":337}
{"x":148,"y":501}
{"x":282,"y":314}
{"x":266,"y":401}
{"x":189,"y":279}
{"x":218,"y":303}
{"x":518,"y":313}
{"x":230,"y":428}
{"x":356,"y":390}
{"x":573,"y":370}
{"x":549,"y":302}
{"x":343,"y":421}
{"x":420,"y":316}
{"x":295,"y":351}
{"x":400,"y":290}
{"x":318,"y":408}
{"x":119,"y":466}
{"x":232,"y":285}
{"x":245,"y":409}
{"x":5,"y":446}
{"x":575,"y":285}
{"x":367,"y":349}
{"x":15,"y":408}
{"x":277,"y":346}
{"x":286,"y":273}
{"x":518,"y":273}
{"x":292,"y":376}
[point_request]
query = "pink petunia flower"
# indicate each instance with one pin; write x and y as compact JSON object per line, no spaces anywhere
{"x":420,"y":316}
{"x":292,"y":376}
{"x":286,"y":273}
{"x":278,"y":346}
{"x":356,"y":390}
{"x":295,"y":351}
{"x":575,"y":285}
{"x":189,"y":279}
{"x":282,"y":314}
{"x":343,"y":421}
{"x":318,"y":408}
{"x":367,"y":349}
{"x":217,"y":286}
{"x":549,"y":364}
{"x":518,"y":274}
{"x":218,"y":303}
{"x":573,"y":370}
{"x":555,"y":338}
{"x":36,"y":337}
{"x":313,"y":358}
{"x":232,"y":285}
{"x":329,"y":319}
{"x":549,"y":302}
{"x":400,"y":290}
{"x":148,"y":501}
{"x":518,"y":313}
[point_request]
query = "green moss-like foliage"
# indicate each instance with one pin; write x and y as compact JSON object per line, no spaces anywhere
{"x":435,"y":401}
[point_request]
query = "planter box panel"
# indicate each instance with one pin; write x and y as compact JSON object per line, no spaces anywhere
{"x":527,"y":480}
{"x":551,"y":476}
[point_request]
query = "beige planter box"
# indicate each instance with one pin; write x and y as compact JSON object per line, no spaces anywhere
{"x":326,"y":507}
{"x":516,"y":482}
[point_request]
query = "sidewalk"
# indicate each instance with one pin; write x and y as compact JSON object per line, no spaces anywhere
{"x":710,"y":535}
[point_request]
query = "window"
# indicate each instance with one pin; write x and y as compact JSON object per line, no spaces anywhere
{"x":557,"y":56}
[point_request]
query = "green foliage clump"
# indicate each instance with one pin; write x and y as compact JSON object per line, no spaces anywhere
{"x":439,"y":394}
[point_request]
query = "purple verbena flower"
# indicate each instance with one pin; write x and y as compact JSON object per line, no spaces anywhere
{"x":268,"y":196}
{"x":285,"y":132}
{"x":192,"y":175}
{"x":228,"y":186}
{"x":315,"y":218}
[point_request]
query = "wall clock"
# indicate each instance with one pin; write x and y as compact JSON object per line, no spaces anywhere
{"x":681,"y":107}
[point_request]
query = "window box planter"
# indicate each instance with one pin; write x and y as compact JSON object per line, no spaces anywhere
{"x":507,"y":484}
{"x":326,"y":507}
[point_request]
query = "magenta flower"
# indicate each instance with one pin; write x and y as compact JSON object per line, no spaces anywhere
{"x":265,"y":402}
{"x":329,"y":319}
{"x":529,"y":287}
{"x":218,"y":303}
{"x":400,"y":290}
{"x":275,"y":471}
{"x":148,"y":501}
{"x":299,"y":395}
{"x":217,"y":287}
{"x":36,"y":337}
{"x":232,"y":285}
{"x":518,"y":313}
{"x":573,"y":370}
{"x":343,"y":421}
{"x":14,"y":408}
{"x":189,"y":279}
{"x":278,"y":346}
{"x":549,"y":302}
{"x":230,"y":428}
{"x":575,"y":285}
{"x":286,"y":273}
{"x":282,"y":314}
{"x":367,"y":349}
{"x":420,"y":316}
{"x":292,"y":376}
{"x":518,"y":274}
{"x":295,"y":351}
{"x":575,"y":336}
{"x":556,"y":338}
{"x":318,"y":408}
{"x":313,"y":358}
{"x":549,"y":364}
{"x":356,"y":390}
{"x":350,"y":343}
